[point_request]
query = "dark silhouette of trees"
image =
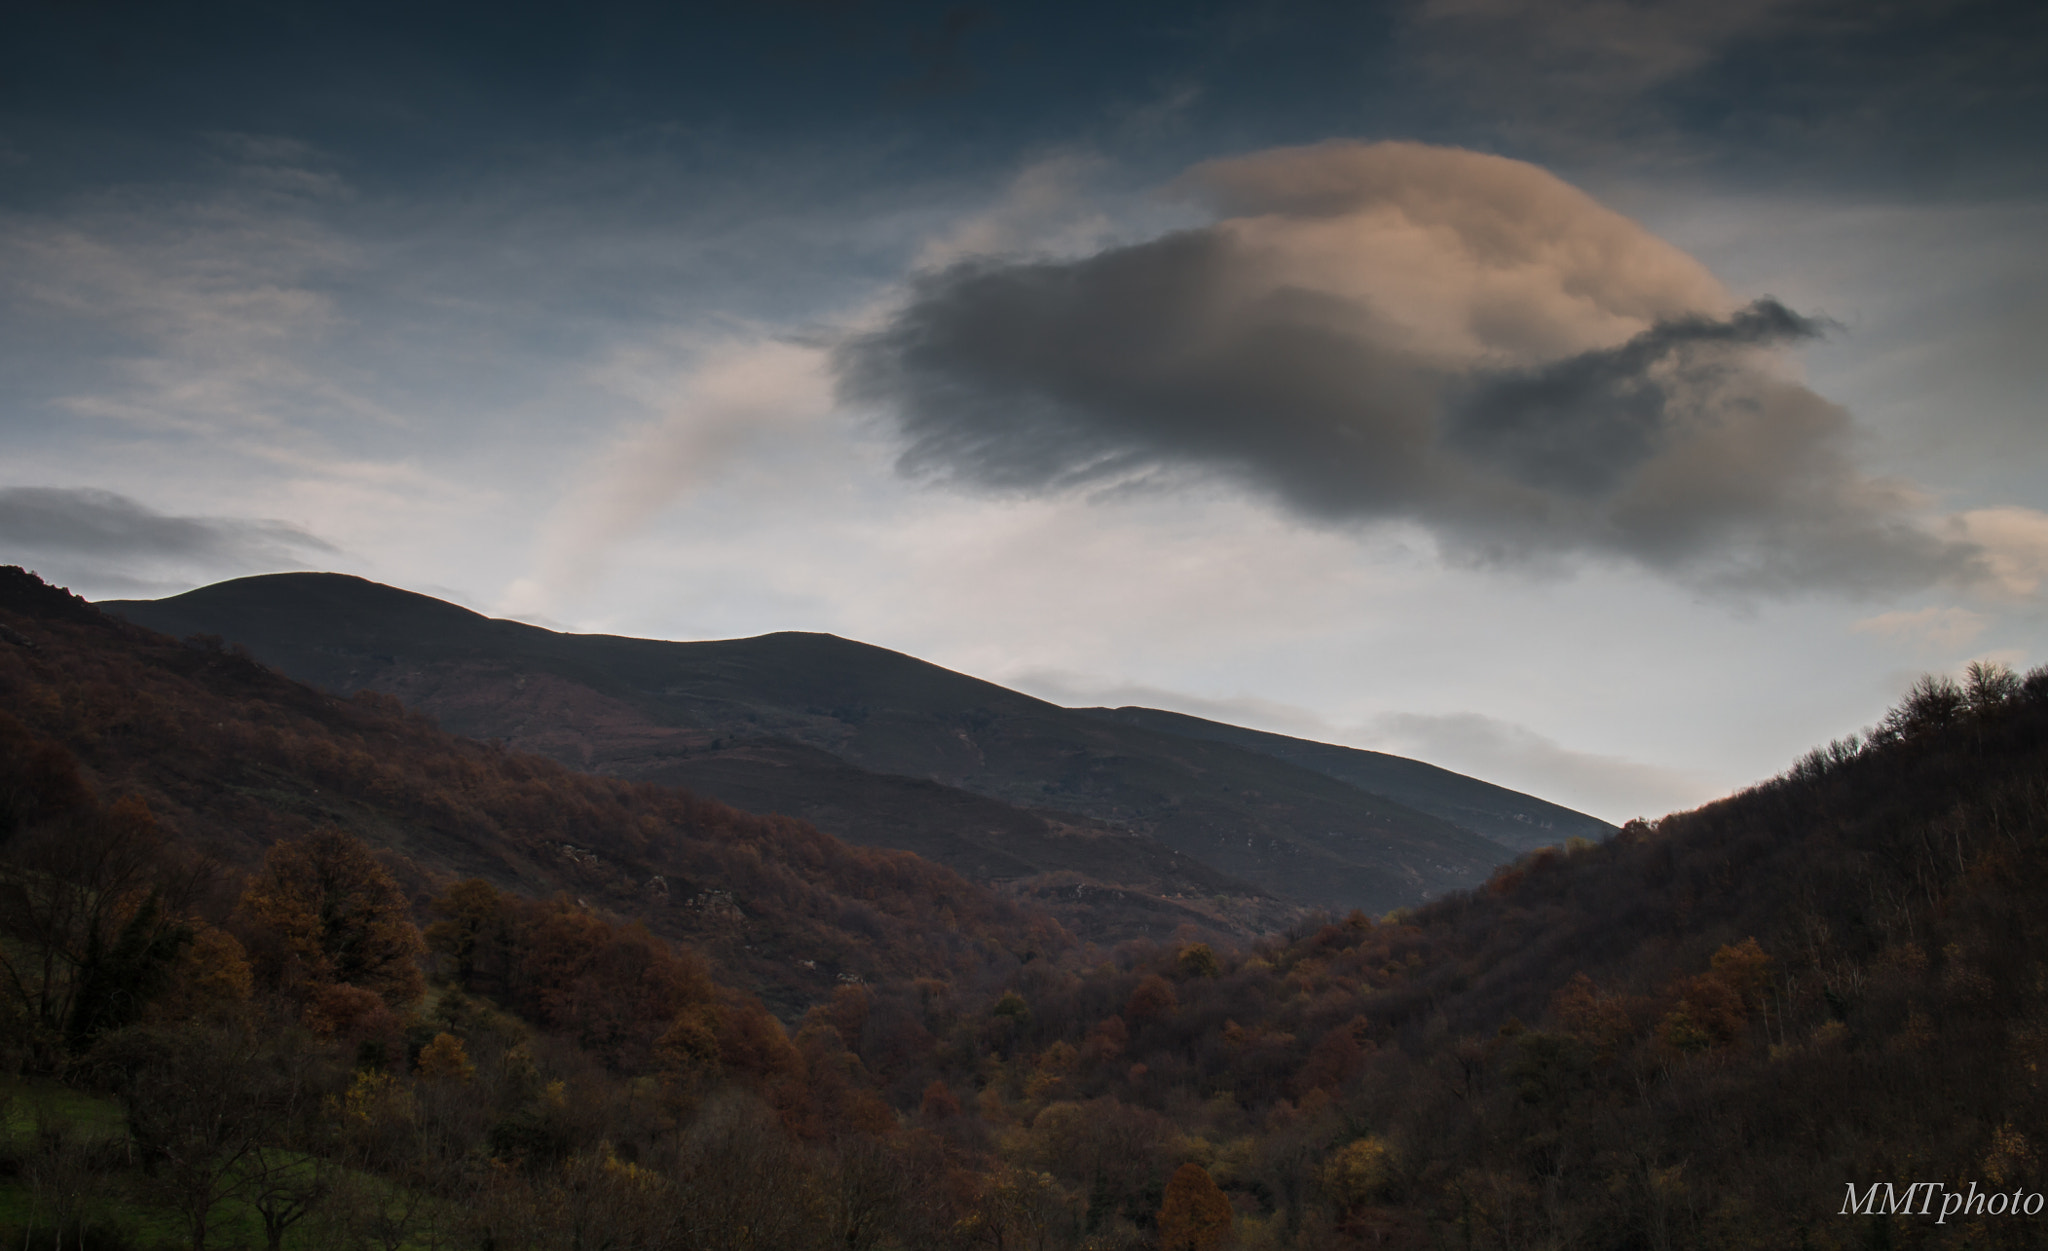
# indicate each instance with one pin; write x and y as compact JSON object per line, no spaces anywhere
{"x":88,"y":934}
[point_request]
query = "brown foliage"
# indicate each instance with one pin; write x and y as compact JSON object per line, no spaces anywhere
{"x":445,"y":1059}
{"x":1599,"y":1020}
{"x":1678,"y":1084}
{"x":235,"y":756}
{"x":323,"y":912}
{"x":938,"y":1103}
{"x":1337,"y":1056}
{"x":619,"y":990}
{"x":1152,"y":1000}
{"x":1196,"y":1215}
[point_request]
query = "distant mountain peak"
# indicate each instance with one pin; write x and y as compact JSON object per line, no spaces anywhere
{"x":880,"y":747}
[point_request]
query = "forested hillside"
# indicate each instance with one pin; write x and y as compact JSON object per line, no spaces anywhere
{"x":887,"y":750}
{"x":1694,"y":1034}
{"x":232,"y":757}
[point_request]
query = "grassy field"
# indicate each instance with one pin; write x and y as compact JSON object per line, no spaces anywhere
{"x":65,"y":1149}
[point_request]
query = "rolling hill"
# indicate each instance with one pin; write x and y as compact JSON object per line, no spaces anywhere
{"x":230,"y":757}
{"x":887,"y":750}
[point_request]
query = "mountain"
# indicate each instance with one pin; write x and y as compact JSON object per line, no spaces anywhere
{"x":1509,"y":818}
{"x":1694,"y":1034}
{"x":876,"y":747}
{"x":230,"y":757}
{"x":1691,"y":1034}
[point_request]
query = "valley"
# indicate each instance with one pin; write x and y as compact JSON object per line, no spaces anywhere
{"x":290,"y":966}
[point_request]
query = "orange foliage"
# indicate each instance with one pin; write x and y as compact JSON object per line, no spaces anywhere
{"x":445,"y":1059}
{"x":1196,"y":1215}
{"x":324,"y":912}
{"x":234,"y":754}
{"x":1585,"y":1013}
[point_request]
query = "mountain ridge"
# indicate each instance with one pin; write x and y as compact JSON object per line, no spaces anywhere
{"x":1528,"y":823}
{"x":728,"y":717}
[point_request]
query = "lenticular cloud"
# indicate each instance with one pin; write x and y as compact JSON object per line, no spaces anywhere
{"x":1400,"y":332}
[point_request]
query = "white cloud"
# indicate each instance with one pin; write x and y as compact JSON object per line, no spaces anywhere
{"x":2014,"y":542}
{"x":1044,"y":211}
{"x":1611,"y":787}
{"x":736,"y":396}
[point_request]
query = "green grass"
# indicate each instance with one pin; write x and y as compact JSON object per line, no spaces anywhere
{"x":26,"y":1103}
{"x":119,"y":1206}
{"x":115,"y":1209}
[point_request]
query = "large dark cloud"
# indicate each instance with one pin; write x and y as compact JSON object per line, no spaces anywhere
{"x":1042,"y":376}
{"x":1581,"y":424}
{"x":110,"y":542}
{"x":1393,"y":332}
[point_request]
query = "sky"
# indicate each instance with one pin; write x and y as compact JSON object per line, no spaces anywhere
{"x":1612,"y":399}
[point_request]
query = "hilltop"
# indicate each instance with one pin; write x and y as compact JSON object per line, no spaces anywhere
{"x":231,"y":757}
{"x":1226,"y":828}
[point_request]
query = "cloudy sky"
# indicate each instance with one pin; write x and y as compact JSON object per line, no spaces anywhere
{"x":1609,"y":398}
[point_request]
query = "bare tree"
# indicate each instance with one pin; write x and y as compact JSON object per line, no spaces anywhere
{"x":201,"y":1101}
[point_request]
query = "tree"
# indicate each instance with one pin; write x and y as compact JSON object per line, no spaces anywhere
{"x":326,"y":913}
{"x":445,"y":1059}
{"x":472,"y":925}
{"x":1152,"y":1000}
{"x":285,"y":1186}
{"x":1199,"y":960}
{"x":200,"y":1100}
{"x":1196,"y":1215}
{"x":87,"y":909}
{"x":1020,"y":1209}
{"x":1357,"y":1172}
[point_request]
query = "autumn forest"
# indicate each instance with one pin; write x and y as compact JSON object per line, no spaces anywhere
{"x":284,"y":969}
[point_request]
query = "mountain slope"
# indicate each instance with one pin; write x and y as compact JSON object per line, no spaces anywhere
{"x":1693,"y":1034}
{"x":232,"y":756}
{"x":725,"y":716}
{"x":1509,"y":818}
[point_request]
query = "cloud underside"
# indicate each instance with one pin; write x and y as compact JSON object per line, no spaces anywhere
{"x":111,"y":542}
{"x":1396,"y":332}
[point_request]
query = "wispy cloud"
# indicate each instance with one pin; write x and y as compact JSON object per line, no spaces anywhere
{"x":202,"y":300}
{"x":1809,"y":89}
{"x":1944,"y":628}
{"x":104,"y":542}
{"x":1515,"y":756}
{"x":1043,"y":211}
{"x":732,"y":396}
{"x":2014,"y":542}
